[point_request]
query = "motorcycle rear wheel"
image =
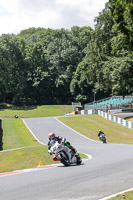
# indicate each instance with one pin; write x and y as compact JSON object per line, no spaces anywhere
{"x":104,"y":140}
{"x":79,"y":160}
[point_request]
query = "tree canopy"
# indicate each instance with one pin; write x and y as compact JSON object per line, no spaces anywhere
{"x":46,"y":66}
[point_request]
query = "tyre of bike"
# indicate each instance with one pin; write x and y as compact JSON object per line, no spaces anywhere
{"x":63,"y":157}
{"x":79,"y":160}
{"x":104,"y":140}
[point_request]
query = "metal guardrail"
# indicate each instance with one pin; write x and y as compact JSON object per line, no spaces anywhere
{"x":1,"y":136}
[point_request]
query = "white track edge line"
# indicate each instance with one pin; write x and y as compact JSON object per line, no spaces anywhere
{"x":32,"y":133}
{"x":90,"y":157}
{"x":114,"y":195}
{"x":76,"y":131}
{"x":16,"y":172}
{"x":19,"y":148}
{"x":35,"y":169}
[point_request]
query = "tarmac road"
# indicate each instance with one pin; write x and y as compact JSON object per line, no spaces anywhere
{"x":109,"y":171}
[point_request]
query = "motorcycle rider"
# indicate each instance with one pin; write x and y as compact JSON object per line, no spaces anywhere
{"x":101,"y":136}
{"x":100,"y":133}
{"x":53,"y":138}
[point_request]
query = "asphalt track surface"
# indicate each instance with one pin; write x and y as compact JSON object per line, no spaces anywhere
{"x":108,"y":172}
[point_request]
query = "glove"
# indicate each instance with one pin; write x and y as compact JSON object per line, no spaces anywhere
{"x":63,"y":141}
{"x":49,"y":152}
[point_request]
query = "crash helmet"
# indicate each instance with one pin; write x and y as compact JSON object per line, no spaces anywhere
{"x":51,"y":136}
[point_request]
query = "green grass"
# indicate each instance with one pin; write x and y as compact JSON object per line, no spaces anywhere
{"x":130,"y":119}
{"x":24,"y":158}
{"x":125,"y":196}
{"x":34,"y":111}
{"x":16,"y":135}
{"x":89,"y":125}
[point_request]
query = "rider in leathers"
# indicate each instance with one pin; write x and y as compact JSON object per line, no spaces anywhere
{"x":54,"y":138}
{"x":100,"y":134}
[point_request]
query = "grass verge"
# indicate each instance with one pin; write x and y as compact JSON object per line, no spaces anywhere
{"x":35,"y":111}
{"x":89,"y":125}
{"x":26,"y":158}
{"x":16,"y":135}
{"x":125,"y":196}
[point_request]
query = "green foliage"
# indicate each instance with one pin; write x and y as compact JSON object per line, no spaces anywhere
{"x":79,"y":86}
{"x":122,"y":12}
{"x":109,"y":59}
{"x":46,"y":66}
{"x":11,"y":68}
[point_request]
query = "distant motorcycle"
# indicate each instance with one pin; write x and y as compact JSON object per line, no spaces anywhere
{"x":102,"y":137}
{"x":64,"y":154}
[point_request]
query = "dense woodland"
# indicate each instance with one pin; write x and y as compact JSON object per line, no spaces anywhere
{"x":46,"y":66}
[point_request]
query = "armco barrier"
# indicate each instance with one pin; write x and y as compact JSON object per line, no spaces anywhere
{"x":108,"y":116}
{"x":88,"y":112}
{"x":1,"y":136}
{"x":118,"y":120}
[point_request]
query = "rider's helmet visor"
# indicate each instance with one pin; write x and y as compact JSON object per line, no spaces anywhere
{"x":52,"y":138}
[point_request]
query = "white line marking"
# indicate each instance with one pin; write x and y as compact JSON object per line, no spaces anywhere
{"x":89,"y":157}
{"x":32,"y":132}
{"x":37,"y":168}
{"x":76,"y":131}
{"x":29,"y":170}
{"x":19,"y":148}
{"x":43,"y":167}
{"x":114,"y":195}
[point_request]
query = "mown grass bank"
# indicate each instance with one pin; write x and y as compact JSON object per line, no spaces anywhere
{"x":89,"y":125}
{"x":34,"y":111}
{"x":130,"y":119}
{"x":26,"y":158}
{"x":30,"y":152}
{"x":16,"y":135}
{"x":125,"y":196}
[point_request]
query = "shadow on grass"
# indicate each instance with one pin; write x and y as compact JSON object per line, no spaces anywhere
{"x":128,"y":117}
{"x":12,"y":107}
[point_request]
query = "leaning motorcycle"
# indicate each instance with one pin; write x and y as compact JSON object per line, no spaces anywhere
{"x":64,"y":154}
{"x":102,"y":137}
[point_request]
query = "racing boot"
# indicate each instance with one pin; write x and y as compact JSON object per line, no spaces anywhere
{"x":73,"y":150}
{"x":55,"y":159}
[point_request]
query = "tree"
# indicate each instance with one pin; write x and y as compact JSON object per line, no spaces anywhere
{"x":122,"y":12}
{"x":11,"y":69}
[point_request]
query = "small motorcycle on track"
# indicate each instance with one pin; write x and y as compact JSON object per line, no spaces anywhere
{"x":102,"y":137}
{"x":64,"y":154}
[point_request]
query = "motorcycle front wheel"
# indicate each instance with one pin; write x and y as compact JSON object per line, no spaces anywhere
{"x":64,"y":159}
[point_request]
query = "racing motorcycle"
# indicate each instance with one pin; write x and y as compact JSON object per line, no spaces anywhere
{"x":102,"y":137}
{"x":64,"y":154}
